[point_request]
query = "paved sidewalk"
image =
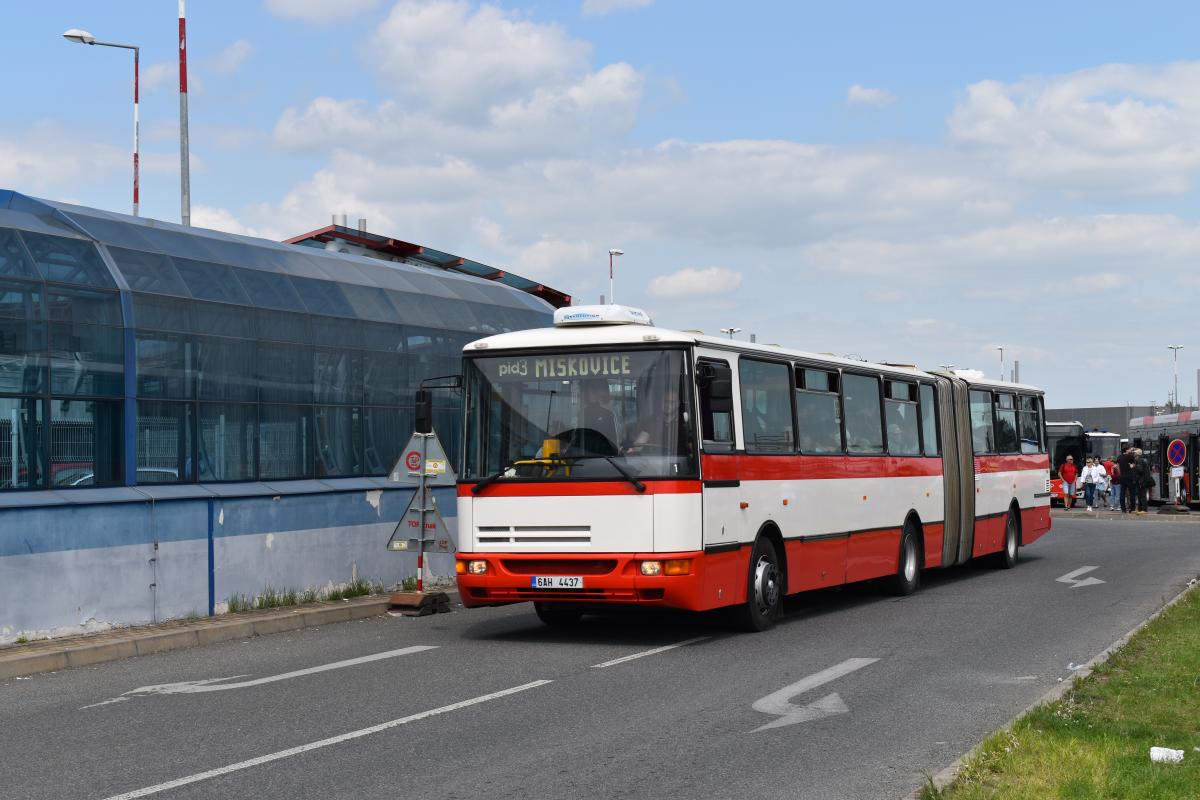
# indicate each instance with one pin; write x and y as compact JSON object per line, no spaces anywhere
{"x":46,"y":655}
{"x":1151,"y":515}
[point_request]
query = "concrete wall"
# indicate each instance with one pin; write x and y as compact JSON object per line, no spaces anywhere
{"x":70,"y":568}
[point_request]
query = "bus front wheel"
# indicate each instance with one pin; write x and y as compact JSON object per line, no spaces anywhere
{"x":764,"y":589}
{"x":1007,"y":558}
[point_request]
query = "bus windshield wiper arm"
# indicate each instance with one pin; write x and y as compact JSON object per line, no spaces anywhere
{"x":641,"y":487}
{"x":497,"y":475}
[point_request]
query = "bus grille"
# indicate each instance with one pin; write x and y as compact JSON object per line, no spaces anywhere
{"x":547,"y":566}
{"x":534,"y":534}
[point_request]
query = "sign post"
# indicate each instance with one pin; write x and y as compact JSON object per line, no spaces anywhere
{"x":421,"y":528}
{"x":1176,"y":458}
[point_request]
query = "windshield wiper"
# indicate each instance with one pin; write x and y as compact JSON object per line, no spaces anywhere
{"x":477,"y":488}
{"x":641,"y":487}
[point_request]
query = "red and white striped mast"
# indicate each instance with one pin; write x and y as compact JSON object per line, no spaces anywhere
{"x":185,"y":183}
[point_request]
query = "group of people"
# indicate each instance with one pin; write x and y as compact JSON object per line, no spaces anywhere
{"x":1124,"y":483}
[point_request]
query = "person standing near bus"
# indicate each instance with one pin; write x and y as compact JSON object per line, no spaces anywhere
{"x":1114,"y":480}
{"x":1143,"y":480}
{"x":1100,"y":473}
{"x":1125,"y":465}
{"x":1089,"y":482}
{"x":1068,"y":473}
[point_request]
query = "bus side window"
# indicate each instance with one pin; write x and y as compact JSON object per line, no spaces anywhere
{"x":982,"y":435}
{"x":766,"y":406}
{"x":1006,"y":424}
{"x":1028,"y":426}
{"x":819,"y":415}
{"x":929,"y":429}
{"x":900,"y":414}
{"x":860,"y":407}
{"x":715,"y":383}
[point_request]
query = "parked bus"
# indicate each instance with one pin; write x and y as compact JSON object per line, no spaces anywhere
{"x":607,"y":461}
{"x":1070,"y":439}
{"x":1155,"y":436}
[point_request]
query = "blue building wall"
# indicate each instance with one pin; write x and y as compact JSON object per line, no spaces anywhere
{"x":88,"y":566}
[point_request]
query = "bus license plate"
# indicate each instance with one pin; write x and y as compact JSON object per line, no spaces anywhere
{"x":556,"y":582}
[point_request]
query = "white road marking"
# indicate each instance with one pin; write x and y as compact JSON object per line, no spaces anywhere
{"x":1075,"y":581}
{"x":304,"y":748}
{"x":645,"y":653}
{"x":779,"y":703}
{"x":216,"y":685}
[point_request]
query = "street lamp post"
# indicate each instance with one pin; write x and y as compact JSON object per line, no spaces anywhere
{"x":731,"y":331}
{"x":1175,"y":348}
{"x":83,"y":37}
{"x":1001,"y":349}
{"x":611,"y":253}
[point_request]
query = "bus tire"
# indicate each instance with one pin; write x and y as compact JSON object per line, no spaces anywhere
{"x":557,"y":615}
{"x":764,"y":589}
{"x":1007,"y":558}
{"x":908,"y":569}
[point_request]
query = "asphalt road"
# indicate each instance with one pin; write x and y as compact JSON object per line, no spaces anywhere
{"x":903,"y":687}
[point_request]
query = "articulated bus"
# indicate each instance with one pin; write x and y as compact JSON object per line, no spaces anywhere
{"x":608,"y":461}
{"x":1170,"y":440}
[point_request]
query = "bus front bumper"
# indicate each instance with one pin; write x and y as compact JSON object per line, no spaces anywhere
{"x":602,"y":578}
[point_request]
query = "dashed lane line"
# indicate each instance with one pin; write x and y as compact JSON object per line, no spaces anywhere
{"x":653,"y":652}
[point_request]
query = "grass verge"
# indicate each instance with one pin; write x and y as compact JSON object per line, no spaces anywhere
{"x":1095,"y":742}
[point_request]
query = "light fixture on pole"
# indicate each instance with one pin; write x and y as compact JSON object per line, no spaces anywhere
{"x":731,"y":331}
{"x":613,"y":252}
{"x":947,"y":367}
{"x":83,"y":37}
{"x":1175,"y":348}
{"x":1001,"y":349}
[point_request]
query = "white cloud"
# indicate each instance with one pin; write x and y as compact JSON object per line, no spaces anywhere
{"x":1099,"y":282}
{"x":157,"y":76}
{"x":48,"y":159}
{"x":220,"y":219}
{"x":596,"y":8}
{"x":230,"y":59}
{"x":862,"y":96}
{"x":690,"y":282}
{"x":1115,"y":129}
{"x":320,"y":11}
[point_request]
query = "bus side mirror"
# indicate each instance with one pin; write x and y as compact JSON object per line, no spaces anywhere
{"x":716,"y":382}
{"x":424,"y":411}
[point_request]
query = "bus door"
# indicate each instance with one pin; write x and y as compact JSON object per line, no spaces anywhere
{"x":958,"y":470}
{"x":722,"y":519}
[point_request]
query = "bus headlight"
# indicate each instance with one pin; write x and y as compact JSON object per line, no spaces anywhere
{"x":473,"y":567}
{"x":652,"y":568}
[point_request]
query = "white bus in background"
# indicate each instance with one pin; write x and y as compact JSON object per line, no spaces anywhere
{"x":607,"y":461}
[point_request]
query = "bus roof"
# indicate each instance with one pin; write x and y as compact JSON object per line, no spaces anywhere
{"x":1165,"y":420}
{"x":618,"y":335}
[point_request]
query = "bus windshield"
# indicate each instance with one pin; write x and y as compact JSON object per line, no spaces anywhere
{"x":595,"y":415}
{"x":1104,"y":446}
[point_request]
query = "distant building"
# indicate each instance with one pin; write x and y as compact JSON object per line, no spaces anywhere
{"x":1114,"y":419}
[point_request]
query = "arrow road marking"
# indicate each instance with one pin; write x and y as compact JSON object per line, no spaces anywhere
{"x":215,"y":684}
{"x":779,"y":703}
{"x":1075,"y":581}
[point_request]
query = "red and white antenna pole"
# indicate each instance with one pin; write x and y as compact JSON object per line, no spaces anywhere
{"x":136,"y":53}
{"x":185,"y":183}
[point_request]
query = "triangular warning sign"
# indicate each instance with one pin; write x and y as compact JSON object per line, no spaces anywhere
{"x":434,"y":463}
{"x":409,"y":534}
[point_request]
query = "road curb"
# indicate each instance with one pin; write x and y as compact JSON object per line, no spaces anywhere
{"x":946,"y":776}
{"x":112,"y":645}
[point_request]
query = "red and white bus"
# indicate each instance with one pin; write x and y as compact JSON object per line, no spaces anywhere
{"x":607,"y":461}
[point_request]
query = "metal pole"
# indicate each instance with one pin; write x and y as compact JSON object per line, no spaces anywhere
{"x":422,"y":487}
{"x":185,"y":183}
{"x":611,"y":296}
{"x":1175,"y":348}
{"x":136,"y":58}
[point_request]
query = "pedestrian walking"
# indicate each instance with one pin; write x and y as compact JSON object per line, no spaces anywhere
{"x":1109,"y":466}
{"x":1089,"y":482}
{"x":1126,"y":466}
{"x":1100,"y":472}
{"x":1068,"y":472}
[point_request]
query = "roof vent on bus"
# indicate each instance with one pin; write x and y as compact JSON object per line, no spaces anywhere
{"x":601,"y":315}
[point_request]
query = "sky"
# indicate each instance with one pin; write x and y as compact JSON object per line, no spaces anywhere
{"x":913,"y":183}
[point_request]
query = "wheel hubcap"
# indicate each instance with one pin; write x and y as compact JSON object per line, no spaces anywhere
{"x":766,"y":585}
{"x":1011,"y":539}
{"x":910,"y":560}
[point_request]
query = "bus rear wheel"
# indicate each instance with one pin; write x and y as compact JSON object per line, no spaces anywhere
{"x":764,"y":589}
{"x":557,"y":615}
{"x":908,"y":570}
{"x":1007,"y":558}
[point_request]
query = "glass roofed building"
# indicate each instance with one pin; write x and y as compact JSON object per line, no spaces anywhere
{"x":137,"y":352}
{"x":187,"y":416}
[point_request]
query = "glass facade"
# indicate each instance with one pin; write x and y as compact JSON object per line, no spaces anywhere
{"x":138,"y":352}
